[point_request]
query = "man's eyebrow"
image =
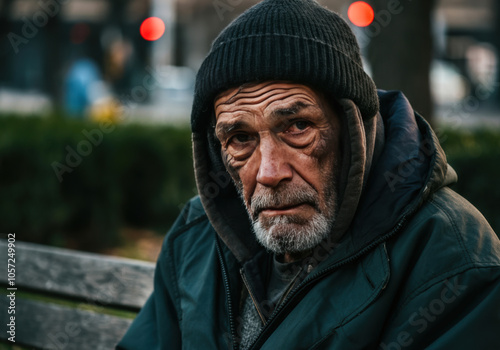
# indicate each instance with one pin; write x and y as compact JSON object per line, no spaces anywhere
{"x":293,"y":109}
{"x":224,"y":128}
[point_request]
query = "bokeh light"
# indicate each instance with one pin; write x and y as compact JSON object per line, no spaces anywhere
{"x":152,"y":28}
{"x":360,"y":13}
{"x":79,"y":33}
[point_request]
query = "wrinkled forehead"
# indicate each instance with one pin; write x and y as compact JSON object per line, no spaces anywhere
{"x":263,"y":95}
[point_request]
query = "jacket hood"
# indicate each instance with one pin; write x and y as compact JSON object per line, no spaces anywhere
{"x":411,"y":167}
{"x":390,"y":164}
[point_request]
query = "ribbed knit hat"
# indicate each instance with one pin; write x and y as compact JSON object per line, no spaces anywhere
{"x":288,"y":40}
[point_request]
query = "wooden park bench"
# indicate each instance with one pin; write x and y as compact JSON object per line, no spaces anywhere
{"x":68,"y":299}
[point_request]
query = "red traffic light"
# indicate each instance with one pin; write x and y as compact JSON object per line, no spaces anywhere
{"x":360,"y":13}
{"x":152,"y":28}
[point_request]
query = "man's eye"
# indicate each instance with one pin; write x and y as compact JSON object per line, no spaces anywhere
{"x":240,"y":146}
{"x":240,"y":138}
{"x":299,"y":125}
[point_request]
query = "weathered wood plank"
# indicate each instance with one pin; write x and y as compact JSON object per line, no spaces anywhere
{"x":49,"y":326}
{"x":85,"y":276}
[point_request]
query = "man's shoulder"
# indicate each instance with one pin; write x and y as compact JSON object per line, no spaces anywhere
{"x":191,"y":237}
{"x":192,"y":211}
{"x":192,"y":220}
{"x":453,"y":217}
{"x":448,"y":226}
{"x":447,"y":236}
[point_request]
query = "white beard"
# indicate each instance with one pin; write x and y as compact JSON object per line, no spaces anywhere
{"x":291,"y":233}
{"x":286,"y":236}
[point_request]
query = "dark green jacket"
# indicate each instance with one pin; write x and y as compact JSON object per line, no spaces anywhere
{"x":419,"y":267}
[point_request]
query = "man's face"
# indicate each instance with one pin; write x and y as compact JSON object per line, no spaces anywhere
{"x":280,"y":143}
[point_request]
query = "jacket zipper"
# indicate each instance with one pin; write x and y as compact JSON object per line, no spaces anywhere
{"x":250,"y":292}
{"x":228,"y":296}
{"x":295,"y":295}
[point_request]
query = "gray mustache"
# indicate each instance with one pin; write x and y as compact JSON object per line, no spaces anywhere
{"x":283,"y":197}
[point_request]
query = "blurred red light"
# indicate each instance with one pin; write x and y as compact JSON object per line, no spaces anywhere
{"x":360,"y":13}
{"x":152,"y":28}
{"x":79,"y":33}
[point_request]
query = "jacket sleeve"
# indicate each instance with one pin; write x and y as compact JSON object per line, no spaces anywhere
{"x":157,"y":326}
{"x":459,"y":312}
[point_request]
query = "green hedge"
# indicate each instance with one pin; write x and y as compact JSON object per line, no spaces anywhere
{"x":475,"y":155}
{"x":141,"y":176}
{"x":75,"y":183}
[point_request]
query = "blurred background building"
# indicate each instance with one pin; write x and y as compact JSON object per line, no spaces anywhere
{"x":78,"y":55}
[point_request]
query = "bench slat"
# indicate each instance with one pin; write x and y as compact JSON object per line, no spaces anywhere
{"x":50,"y":326}
{"x":85,"y":276}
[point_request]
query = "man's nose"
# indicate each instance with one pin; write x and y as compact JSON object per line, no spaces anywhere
{"x":274,"y":166}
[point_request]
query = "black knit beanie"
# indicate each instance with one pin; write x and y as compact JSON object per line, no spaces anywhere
{"x":287,"y":40}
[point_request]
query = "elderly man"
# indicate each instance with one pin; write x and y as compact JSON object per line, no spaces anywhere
{"x":324,"y":219}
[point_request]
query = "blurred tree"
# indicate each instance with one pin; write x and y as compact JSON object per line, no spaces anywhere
{"x":400,"y":50}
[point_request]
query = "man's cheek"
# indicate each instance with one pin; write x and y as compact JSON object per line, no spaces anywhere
{"x":326,"y":144}
{"x":320,"y":146}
